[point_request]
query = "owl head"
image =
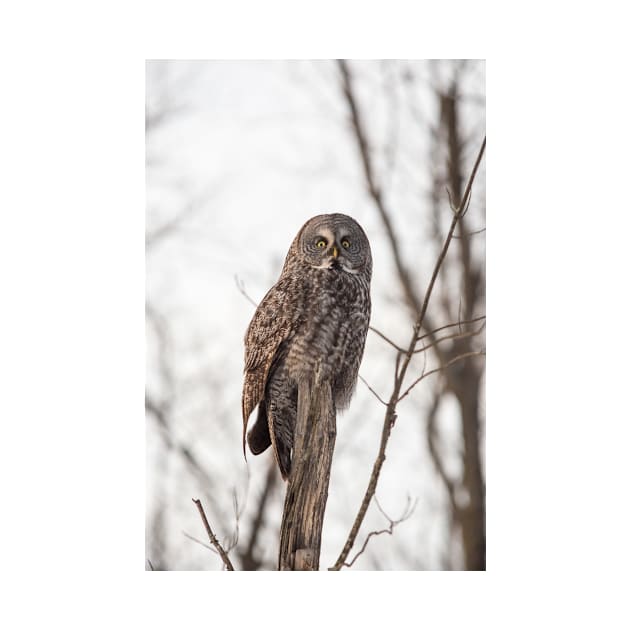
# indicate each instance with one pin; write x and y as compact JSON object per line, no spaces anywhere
{"x":332,"y":241}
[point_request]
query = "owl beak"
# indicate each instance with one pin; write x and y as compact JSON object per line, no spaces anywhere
{"x":335,"y":252}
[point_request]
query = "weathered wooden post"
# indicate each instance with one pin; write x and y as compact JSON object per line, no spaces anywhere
{"x":307,"y":491}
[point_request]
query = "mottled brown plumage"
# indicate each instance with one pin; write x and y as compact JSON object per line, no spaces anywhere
{"x":310,"y":326}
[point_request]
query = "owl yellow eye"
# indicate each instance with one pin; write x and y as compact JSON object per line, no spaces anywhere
{"x":345,"y":243}
{"x":321,"y":243}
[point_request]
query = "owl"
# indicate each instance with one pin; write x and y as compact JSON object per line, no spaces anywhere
{"x":311,"y":326}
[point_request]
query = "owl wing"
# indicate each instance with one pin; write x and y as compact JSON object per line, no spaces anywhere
{"x":271,"y":325}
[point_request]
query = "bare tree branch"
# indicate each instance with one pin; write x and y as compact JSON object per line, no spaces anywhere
{"x":390,"y":530}
{"x":390,"y":416}
{"x":375,"y":394}
{"x":387,"y":339}
{"x":480,"y":231}
{"x":200,"y":542}
{"x":461,"y":335}
{"x":459,"y":357}
{"x":458,"y":323}
{"x":240,"y":285}
{"x":233,"y":540}
{"x":212,"y":537}
{"x":429,"y":334}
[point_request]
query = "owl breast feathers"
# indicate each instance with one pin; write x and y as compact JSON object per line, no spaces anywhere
{"x":311,"y":326}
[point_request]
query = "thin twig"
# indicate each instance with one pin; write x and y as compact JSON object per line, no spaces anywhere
{"x":436,"y":330}
{"x":213,"y":539}
{"x":390,"y":530}
{"x":424,"y":361}
{"x":463,"y":335}
{"x":375,"y":394}
{"x":450,"y":200}
{"x":470,"y":233}
{"x":447,"y":242}
{"x":467,"y":205}
{"x":429,"y":334}
{"x":387,"y":339}
{"x":200,"y":542}
{"x":233,"y":539}
{"x":399,"y":356}
{"x":240,"y":285}
{"x":459,"y":357}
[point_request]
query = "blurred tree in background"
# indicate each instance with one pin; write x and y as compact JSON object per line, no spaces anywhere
{"x":239,"y":155}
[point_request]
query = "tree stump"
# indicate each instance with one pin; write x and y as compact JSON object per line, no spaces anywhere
{"x":307,"y":491}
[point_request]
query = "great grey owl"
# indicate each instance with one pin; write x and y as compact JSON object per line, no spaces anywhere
{"x":311,"y":324}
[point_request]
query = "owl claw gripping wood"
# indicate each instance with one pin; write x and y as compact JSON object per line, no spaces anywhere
{"x":311,"y":324}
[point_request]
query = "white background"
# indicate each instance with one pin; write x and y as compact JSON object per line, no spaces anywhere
{"x":72,"y":269}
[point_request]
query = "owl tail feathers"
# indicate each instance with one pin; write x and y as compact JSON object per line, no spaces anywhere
{"x":258,"y":437}
{"x":283,"y":455}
